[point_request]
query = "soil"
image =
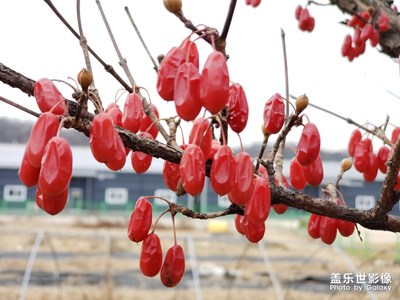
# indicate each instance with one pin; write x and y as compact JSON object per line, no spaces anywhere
{"x":90,"y":257}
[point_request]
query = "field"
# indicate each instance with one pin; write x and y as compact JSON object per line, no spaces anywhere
{"x":90,"y":257}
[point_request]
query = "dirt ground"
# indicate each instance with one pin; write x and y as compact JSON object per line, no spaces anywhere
{"x":89,"y":257}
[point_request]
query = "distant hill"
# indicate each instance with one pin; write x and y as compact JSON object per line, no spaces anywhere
{"x":17,"y":131}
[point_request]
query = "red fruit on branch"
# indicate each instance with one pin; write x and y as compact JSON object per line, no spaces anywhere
{"x":355,"y":138}
{"x":151,"y":255}
{"x":141,"y":161}
{"x":297,"y":12}
{"x":192,"y":169}
{"x":309,"y":145}
{"x":253,"y":232}
{"x":201,"y":135}
{"x":244,"y":183}
{"x":173,"y":267}
{"x":45,"y":128}
{"x":345,"y":228}
{"x":280,"y":208}
{"x":140,"y":220}
{"x":191,"y":51}
{"x":223,"y":171}
{"x":167,"y":72}
{"x":28,"y":174}
{"x":375,"y":37}
{"x":361,"y":159}
{"x":48,"y":97}
{"x":238,"y":109}
{"x":370,"y":174}
{"x":328,"y":229}
{"x":314,"y":173}
{"x":51,"y":204}
{"x":274,"y":114}
{"x":238,"y":223}
{"x":214,"y":83}
{"x":253,"y":3}
{"x":296,"y":175}
{"x":306,"y":21}
{"x":187,"y":91}
{"x":347,"y":45}
{"x":147,"y":124}
{"x":133,"y":113}
{"x":383,"y":23}
{"x":171,"y":175}
{"x":314,"y":225}
{"x":259,"y":205}
{"x":56,"y":167}
{"x":382,"y":157}
{"x":102,"y":142}
{"x":395,"y":135}
{"x":366,"y":32}
{"x":115,"y":112}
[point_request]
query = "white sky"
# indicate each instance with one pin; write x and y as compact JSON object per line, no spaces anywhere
{"x":36,"y":44}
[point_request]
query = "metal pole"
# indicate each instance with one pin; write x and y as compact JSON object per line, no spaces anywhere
{"x":29,"y":265}
{"x":195,"y":270}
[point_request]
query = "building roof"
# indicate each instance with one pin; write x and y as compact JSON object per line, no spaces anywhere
{"x":85,"y":165}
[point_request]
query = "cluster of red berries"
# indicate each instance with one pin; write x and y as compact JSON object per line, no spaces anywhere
{"x":365,"y":160}
{"x":172,"y":268}
{"x":106,"y":144}
{"x":47,"y":160}
{"x":306,"y":21}
{"x":364,"y":30}
{"x":326,"y":228}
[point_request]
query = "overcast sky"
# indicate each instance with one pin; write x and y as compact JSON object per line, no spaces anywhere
{"x":36,"y":44}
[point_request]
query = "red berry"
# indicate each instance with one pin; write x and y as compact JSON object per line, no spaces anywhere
{"x":314,"y":173}
{"x":383,"y":23}
{"x":102,"y":142}
{"x":328,"y":229}
{"x":370,"y":173}
{"x":171,"y":175}
{"x":28,"y":174}
{"x":361,"y":159}
{"x":173,"y":267}
{"x":140,"y":220}
{"x":187,"y":91}
{"x":395,"y":135}
{"x":45,"y":128}
{"x":48,"y":97}
{"x":382,"y":157}
{"x":147,"y":124}
{"x":192,"y":169}
{"x":141,"y":161}
{"x":56,"y":167}
{"x":274,"y":114}
{"x":296,"y":177}
{"x":167,"y":72}
{"x":115,"y":112}
{"x":355,"y":138}
{"x":313,"y":226}
{"x":151,"y":255}
{"x":238,"y":223}
{"x":309,"y":145}
{"x":244,"y":183}
{"x":253,"y":232}
{"x":214,"y":83}
{"x":238,"y":109}
{"x":259,"y":205}
{"x":133,"y":113}
{"x":223,"y":171}
{"x":51,"y":204}
{"x":346,"y":46}
{"x":201,"y":135}
{"x":297,"y":12}
{"x":117,"y":161}
{"x":191,"y":51}
{"x":345,"y":228}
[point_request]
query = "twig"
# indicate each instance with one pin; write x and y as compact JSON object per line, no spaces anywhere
{"x":122,"y":60}
{"x":16,"y":105}
{"x":376,"y":132}
{"x":228,"y":20}
{"x":155,"y":66}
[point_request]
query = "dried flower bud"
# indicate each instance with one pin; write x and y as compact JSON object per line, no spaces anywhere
{"x":173,"y":6}
{"x":346,"y":164}
{"x":301,"y":103}
{"x":85,"y":79}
